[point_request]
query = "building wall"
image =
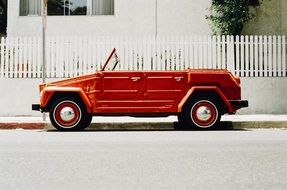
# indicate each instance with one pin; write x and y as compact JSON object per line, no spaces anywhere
{"x":132,"y":17}
{"x":183,"y":17}
{"x":148,"y":17}
{"x":145,"y":17}
{"x":270,"y":19}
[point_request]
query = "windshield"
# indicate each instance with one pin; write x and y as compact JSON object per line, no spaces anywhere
{"x":111,"y":62}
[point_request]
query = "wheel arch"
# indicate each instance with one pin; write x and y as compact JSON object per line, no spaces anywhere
{"x":204,"y":91}
{"x":50,"y":95}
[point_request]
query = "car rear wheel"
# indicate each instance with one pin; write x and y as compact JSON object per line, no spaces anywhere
{"x":69,"y":114}
{"x":201,"y":113}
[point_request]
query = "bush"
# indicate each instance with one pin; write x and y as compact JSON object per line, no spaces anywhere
{"x":227,"y":17}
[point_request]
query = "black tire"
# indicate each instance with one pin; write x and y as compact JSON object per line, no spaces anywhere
{"x":201,"y":113}
{"x":69,"y":114}
{"x":88,"y":120}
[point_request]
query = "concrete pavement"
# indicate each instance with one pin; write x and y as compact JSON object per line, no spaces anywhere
{"x":162,"y":123}
{"x":153,"y":160}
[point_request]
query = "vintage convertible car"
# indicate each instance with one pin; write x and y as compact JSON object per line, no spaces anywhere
{"x":197,"y":97}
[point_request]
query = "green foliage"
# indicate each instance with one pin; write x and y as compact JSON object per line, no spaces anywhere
{"x":228,"y":16}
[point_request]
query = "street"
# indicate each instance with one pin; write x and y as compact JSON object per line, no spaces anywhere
{"x":231,"y":159}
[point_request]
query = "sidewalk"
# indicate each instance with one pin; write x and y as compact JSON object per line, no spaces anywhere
{"x":165,"y":123}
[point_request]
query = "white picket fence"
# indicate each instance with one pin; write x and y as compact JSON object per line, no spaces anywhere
{"x":245,"y":56}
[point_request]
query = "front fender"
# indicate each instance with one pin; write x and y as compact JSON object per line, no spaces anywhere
{"x":48,"y":92}
{"x":191,"y":91}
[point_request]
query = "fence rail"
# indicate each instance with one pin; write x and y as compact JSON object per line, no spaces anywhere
{"x":245,"y":56}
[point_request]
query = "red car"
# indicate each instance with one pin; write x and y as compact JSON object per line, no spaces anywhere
{"x":197,"y":97}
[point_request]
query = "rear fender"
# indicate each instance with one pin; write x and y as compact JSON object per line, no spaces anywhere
{"x":49,"y":92}
{"x":191,"y":91}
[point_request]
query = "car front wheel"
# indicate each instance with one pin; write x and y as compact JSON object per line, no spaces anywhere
{"x":69,"y":114}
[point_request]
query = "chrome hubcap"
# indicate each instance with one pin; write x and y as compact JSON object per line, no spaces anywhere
{"x":203,"y":113}
{"x":67,"y":114}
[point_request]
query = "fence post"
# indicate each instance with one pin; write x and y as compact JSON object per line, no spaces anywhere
{"x":7,"y":61}
{"x":251,"y":53}
{"x":247,"y":55}
{"x":237,"y":51}
{"x":230,"y":54}
{"x":274,"y":45}
{"x":214,"y":54}
{"x":2,"y":63}
{"x":279,"y":56}
{"x":209,"y":51}
{"x":284,"y":55}
{"x":260,"y":63}
{"x":15,"y":57}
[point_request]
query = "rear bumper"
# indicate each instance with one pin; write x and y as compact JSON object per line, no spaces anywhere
{"x":237,"y":104}
{"x":36,"y":107}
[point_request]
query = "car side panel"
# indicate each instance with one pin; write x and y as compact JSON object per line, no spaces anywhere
{"x":120,"y":92}
{"x":164,"y":90}
{"x":141,"y":92}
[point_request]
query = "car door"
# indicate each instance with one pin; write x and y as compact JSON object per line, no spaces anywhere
{"x":122,"y":92}
{"x":164,"y":90}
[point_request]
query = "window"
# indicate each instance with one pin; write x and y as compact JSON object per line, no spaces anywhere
{"x":67,"y":7}
{"x":81,"y":7}
{"x":102,"y":7}
{"x":30,"y":7}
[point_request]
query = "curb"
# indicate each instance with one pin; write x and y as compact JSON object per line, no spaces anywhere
{"x":22,"y":125}
{"x":134,"y":126}
{"x":225,"y":125}
{"x":260,"y":124}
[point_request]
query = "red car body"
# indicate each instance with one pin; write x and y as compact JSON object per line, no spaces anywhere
{"x":145,"y":93}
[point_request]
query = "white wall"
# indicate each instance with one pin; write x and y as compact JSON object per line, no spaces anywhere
{"x":265,"y":96}
{"x":183,"y":17}
{"x":17,"y":96}
{"x":132,"y":17}
{"x":138,"y":17}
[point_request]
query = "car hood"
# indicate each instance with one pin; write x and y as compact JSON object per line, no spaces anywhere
{"x":75,"y":82}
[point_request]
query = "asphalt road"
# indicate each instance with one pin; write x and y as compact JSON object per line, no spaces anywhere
{"x":235,"y":159}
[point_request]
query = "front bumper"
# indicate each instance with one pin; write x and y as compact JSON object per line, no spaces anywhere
{"x":36,"y":107}
{"x":239,"y":103}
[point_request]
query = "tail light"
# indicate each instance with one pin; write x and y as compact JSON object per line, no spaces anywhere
{"x":237,"y":79}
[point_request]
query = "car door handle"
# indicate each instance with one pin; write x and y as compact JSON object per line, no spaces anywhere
{"x":178,"y":78}
{"x":134,"y":79}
